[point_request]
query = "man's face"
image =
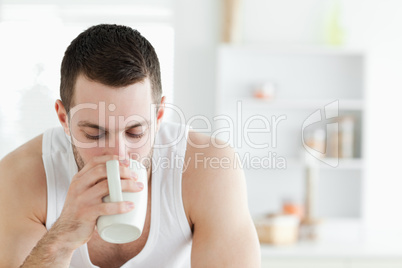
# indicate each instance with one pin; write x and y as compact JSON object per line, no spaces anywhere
{"x":112,"y":121}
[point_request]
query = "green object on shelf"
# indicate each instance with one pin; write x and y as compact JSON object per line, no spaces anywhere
{"x":335,"y":33}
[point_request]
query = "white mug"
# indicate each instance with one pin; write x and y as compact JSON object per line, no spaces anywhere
{"x":126,"y":227}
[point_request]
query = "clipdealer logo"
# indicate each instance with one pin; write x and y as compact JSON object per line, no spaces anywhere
{"x":331,"y":111}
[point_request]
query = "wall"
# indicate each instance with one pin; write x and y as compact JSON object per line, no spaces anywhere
{"x":375,"y":25}
{"x":196,"y":37}
{"x":284,"y":22}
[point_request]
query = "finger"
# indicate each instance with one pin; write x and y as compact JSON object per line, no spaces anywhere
{"x":101,"y":189}
{"x":90,"y":178}
{"x":95,"y":161}
{"x":127,"y":173}
{"x":99,"y":173}
{"x":131,"y":186}
{"x":113,"y":208}
{"x":95,"y":194}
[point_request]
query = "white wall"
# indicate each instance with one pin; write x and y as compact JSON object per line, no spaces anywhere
{"x":284,"y":22}
{"x":196,"y":36}
{"x":376,"y":26}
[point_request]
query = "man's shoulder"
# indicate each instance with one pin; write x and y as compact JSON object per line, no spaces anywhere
{"x":211,"y":172}
{"x":24,"y":158}
{"x":208,"y":154}
{"x":22,"y":176}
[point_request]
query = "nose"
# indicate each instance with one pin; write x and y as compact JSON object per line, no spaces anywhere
{"x":117,"y":146}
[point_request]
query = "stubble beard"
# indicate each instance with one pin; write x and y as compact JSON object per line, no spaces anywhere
{"x":78,"y":159}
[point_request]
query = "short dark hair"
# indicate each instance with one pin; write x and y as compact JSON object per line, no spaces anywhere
{"x":113,"y":55}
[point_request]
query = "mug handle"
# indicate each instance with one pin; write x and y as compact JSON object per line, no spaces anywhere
{"x":113,"y":180}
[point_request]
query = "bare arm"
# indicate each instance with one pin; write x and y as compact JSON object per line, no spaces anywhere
{"x":224,"y":234}
{"x":25,"y":240}
{"x":23,"y":213}
{"x":22,"y":207}
{"x":49,"y":252}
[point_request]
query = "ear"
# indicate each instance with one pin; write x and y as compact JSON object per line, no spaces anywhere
{"x":62,"y":115}
{"x":160,"y":113}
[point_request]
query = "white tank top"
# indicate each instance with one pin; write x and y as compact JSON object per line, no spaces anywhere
{"x":170,"y":237}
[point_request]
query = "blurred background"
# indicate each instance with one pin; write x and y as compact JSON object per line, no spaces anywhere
{"x":317,"y":83}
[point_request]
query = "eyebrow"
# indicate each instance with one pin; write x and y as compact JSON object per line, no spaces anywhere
{"x":92,"y":125}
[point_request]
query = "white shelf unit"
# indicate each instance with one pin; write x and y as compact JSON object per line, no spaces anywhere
{"x":307,"y":79}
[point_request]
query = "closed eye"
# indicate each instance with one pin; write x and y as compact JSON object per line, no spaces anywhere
{"x":91,"y":137}
{"x":135,"y":136}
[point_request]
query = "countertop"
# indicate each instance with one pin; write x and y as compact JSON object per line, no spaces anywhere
{"x":341,"y":239}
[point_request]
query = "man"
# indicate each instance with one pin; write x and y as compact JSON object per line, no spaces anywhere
{"x":111,"y":107}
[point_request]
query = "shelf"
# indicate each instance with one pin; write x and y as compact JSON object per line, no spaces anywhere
{"x":314,"y":87}
{"x":345,"y":164}
{"x":257,"y":104}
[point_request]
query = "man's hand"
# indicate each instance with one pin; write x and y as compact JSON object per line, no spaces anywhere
{"x":84,"y":204}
